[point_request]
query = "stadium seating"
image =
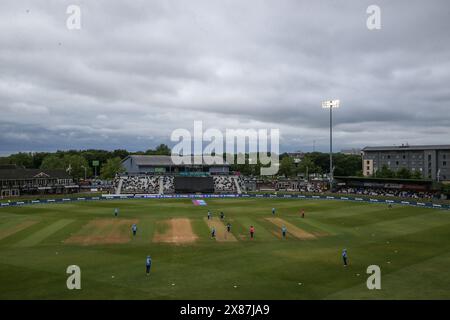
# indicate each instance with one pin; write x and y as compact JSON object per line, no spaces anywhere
{"x":139,"y":184}
{"x":168,"y":184}
{"x":224,"y":184}
{"x":165,"y":184}
{"x":386,"y":193}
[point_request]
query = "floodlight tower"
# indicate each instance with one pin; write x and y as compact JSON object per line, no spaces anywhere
{"x":330,"y":104}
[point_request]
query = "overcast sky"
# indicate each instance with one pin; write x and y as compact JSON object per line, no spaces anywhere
{"x":137,"y":70}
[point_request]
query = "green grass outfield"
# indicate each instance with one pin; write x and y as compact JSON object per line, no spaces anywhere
{"x":410,"y":244}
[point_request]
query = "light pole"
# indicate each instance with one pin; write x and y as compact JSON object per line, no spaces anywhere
{"x":330,"y":104}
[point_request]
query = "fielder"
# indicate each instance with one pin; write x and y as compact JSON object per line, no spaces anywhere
{"x":134,"y":229}
{"x":273,"y":211}
{"x":283,"y":231}
{"x":148,"y":265}
{"x":252,"y":231}
{"x":209,"y":215}
{"x":344,"y":257}
{"x":116,"y":212}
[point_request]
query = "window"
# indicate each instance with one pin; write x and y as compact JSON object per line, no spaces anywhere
{"x":404,"y":157}
{"x":368,"y":168}
{"x":444,"y":163}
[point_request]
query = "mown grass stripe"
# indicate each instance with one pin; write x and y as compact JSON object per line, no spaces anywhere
{"x":431,"y":282}
{"x":13,"y":227}
{"x":261,"y":233}
{"x":40,"y":235}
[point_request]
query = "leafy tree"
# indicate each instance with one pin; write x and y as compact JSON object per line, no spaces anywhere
{"x":52,"y":161}
{"x":77,"y":163}
{"x":321,"y":160}
{"x":446,"y":189}
{"x":162,"y":149}
{"x":403,"y":173}
{"x":111,"y":167}
{"x":74,"y":163}
{"x":416,"y":175}
{"x":38,"y":157}
{"x":346,"y":165}
{"x":385,"y":172}
{"x":122,"y":154}
{"x":287,"y":167}
{"x":307,"y":166}
{"x":22,"y":159}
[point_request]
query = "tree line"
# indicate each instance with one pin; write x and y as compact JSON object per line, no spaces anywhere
{"x":319,"y":163}
{"x":402,"y":173}
{"x":80,"y":162}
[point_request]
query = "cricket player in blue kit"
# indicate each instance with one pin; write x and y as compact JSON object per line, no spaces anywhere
{"x":148,"y":265}
{"x":344,"y":257}
{"x":283,"y":231}
{"x":134,"y":229}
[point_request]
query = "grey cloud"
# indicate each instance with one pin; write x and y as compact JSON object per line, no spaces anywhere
{"x":138,"y":70}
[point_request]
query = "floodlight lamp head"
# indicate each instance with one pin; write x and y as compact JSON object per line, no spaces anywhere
{"x":330,"y":104}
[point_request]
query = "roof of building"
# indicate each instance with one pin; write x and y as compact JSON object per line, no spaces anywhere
{"x":408,"y":148}
{"x":161,"y":160}
{"x":8,"y":166}
{"x":20,"y":173}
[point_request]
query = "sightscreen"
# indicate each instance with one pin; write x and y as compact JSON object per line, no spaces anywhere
{"x":194,"y":184}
